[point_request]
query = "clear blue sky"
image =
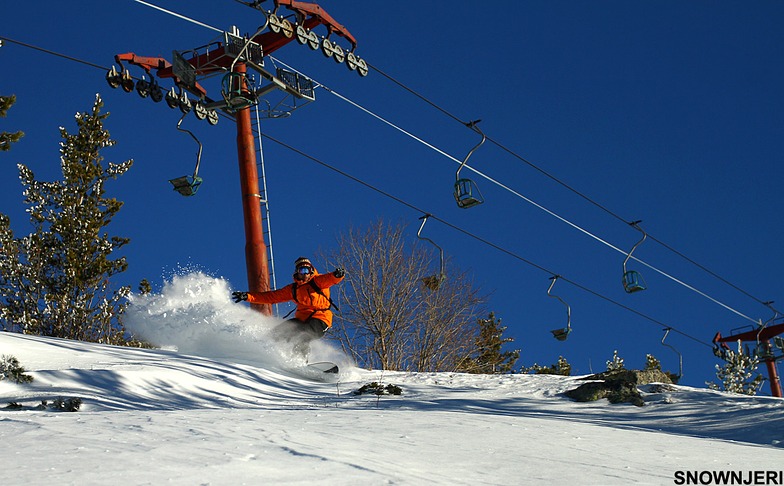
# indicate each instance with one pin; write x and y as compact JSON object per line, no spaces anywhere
{"x":667,"y":112}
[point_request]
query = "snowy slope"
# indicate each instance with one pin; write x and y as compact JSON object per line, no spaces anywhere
{"x":182,"y":417}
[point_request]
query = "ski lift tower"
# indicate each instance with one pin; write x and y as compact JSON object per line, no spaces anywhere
{"x":231,"y":58}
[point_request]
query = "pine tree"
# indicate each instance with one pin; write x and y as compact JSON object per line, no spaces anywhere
{"x":616,"y":363}
{"x":6,"y":138}
{"x":736,"y":374}
{"x":11,"y":370}
{"x":562,"y":367}
{"x":651,"y":363}
{"x":488,"y":357}
{"x":56,"y":281}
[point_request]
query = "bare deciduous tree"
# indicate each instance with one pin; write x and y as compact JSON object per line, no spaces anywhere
{"x":389,"y":319}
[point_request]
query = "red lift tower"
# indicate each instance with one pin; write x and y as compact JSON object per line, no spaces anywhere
{"x":232,"y":57}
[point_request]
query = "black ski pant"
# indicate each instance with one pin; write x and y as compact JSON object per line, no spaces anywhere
{"x":300,"y":333}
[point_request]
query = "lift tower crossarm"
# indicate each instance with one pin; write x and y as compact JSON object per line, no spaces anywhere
{"x":146,"y":63}
{"x":309,"y":14}
{"x":163,"y":68}
{"x":753,"y":335}
{"x":317,"y":16}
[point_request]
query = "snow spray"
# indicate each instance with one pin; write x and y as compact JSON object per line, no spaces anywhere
{"x":194,"y":314}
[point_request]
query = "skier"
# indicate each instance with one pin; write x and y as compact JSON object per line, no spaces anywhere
{"x":310,"y":291}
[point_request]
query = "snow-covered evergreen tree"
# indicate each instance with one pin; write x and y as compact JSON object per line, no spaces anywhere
{"x":616,"y":363}
{"x":651,"y":363}
{"x":11,"y":370}
{"x":737,"y":374}
{"x":56,"y":281}
{"x":562,"y":367}
{"x":7,"y":138}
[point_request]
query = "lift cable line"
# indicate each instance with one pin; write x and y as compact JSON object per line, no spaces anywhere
{"x":479,"y":238}
{"x":566,"y":186}
{"x":53,"y":53}
{"x":180,"y":16}
{"x":523,"y":197}
{"x":445,"y":154}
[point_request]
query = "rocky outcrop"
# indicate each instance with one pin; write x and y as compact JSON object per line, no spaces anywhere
{"x":618,"y":386}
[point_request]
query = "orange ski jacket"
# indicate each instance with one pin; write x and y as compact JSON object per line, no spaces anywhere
{"x":310,"y":303}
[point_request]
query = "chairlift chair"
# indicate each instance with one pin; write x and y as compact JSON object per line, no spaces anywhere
{"x":562,"y":333}
{"x":632,"y":280}
{"x":433,"y":282}
{"x":188,"y":185}
{"x":467,"y":194}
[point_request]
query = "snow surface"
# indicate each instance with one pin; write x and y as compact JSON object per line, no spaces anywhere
{"x":218,"y":405}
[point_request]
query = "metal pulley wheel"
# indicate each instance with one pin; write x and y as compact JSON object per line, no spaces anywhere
{"x":184,"y":103}
{"x":113,"y":78}
{"x":362,"y":67}
{"x":199,"y":110}
{"x":156,"y":93}
{"x":340,"y":55}
{"x":127,"y":81}
{"x":328,"y":48}
{"x":274,"y":23}
{"x":212,"y":117}
{"x":287,"y":28}
{"x":143,"y":87}
{"x":351,"y":61}
{"x":302,"y":35}
{"x":172,"y":99}
{"x":313,"y":40}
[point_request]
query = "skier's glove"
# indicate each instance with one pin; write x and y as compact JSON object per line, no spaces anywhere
{"x":239,"y":296}
{"x":339,"y":272}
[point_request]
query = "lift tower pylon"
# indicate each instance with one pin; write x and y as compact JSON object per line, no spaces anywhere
{"x":256,"y":260}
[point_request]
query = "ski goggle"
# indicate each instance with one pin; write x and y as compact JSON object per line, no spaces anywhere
{"x":304,"y":270}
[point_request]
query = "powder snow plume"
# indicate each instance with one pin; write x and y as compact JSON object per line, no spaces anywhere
{"x":194,"y":313}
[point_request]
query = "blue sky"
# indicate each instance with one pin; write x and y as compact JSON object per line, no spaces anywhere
{"x":667,"y":112}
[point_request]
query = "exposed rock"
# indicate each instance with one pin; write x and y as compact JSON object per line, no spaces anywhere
{"x":615,"y":392}
{"x":618,"y":386}
{"x":637,"y":377}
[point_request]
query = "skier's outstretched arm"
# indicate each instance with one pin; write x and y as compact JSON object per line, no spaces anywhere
{"x":269,"y":297}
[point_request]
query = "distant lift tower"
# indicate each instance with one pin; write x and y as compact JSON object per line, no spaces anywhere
{"x":230,"y":59}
